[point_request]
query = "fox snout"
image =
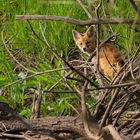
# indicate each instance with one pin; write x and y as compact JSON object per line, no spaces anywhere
{"x":84,"y":49}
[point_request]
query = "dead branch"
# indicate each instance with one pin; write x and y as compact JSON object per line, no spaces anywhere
{"x":78,"y":22}
{"x":55,"y":124}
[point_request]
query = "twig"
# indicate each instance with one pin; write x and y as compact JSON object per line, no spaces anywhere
{"x":24,"y":7}
{"x":128,"y":122}
{"x":15,"y":136}
{"x":130,"y":119}
{"x":133,"y":127}
{"x":84,"y":110}
{"x":59,"y":69}
{"x":77,"y":22}
{"x":135,"y":7}
{"x":99,"y":88}
{"x":67,"y":75}
{"x":45,"y":42}
{"x":119,"y":85}
{"x":84,"y":8}
{"x":5,"y":45}
{"x":120,"y":112}
{"x":53,"y":91}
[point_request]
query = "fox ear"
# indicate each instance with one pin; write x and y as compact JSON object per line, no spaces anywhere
{"x":76,"y":35}
{"x":90,"y":31}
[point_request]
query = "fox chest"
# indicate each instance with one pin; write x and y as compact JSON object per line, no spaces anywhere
{"x":105,"y":65}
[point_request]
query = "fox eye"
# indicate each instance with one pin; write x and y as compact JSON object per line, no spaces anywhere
{"x":80,"y":43}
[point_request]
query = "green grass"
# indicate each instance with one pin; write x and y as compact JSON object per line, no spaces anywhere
{"x":33,"y":54}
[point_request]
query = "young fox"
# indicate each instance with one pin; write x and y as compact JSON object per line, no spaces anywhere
{"x":110,"y":59}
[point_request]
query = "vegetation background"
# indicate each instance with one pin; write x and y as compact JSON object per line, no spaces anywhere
{"x":35,"y":57}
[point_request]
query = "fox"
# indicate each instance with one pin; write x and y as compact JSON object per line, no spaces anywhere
{"x":110,"y":58}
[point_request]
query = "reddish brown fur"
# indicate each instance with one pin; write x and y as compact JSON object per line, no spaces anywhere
{"x":110,"y":59}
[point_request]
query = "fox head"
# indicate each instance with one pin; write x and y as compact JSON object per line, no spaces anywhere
{"x":85,"y":41}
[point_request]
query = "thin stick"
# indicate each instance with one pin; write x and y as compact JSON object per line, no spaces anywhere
{"x":128,"y":122}
{"x":11,"y":55}
{"x":135,"y":7}
{"x":30,"y":76}
{"x":84,"y":8}
{"x":15,"y":136}
{"x":120,"y":112}
{"x":99,"y":78}
{"x":24,"y":7}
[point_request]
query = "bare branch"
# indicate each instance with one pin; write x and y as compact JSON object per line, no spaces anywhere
{"x":98,"y":75}
{"x":11,"y":55}
{"x":36,"y":74}
{"x":78,"y":22}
